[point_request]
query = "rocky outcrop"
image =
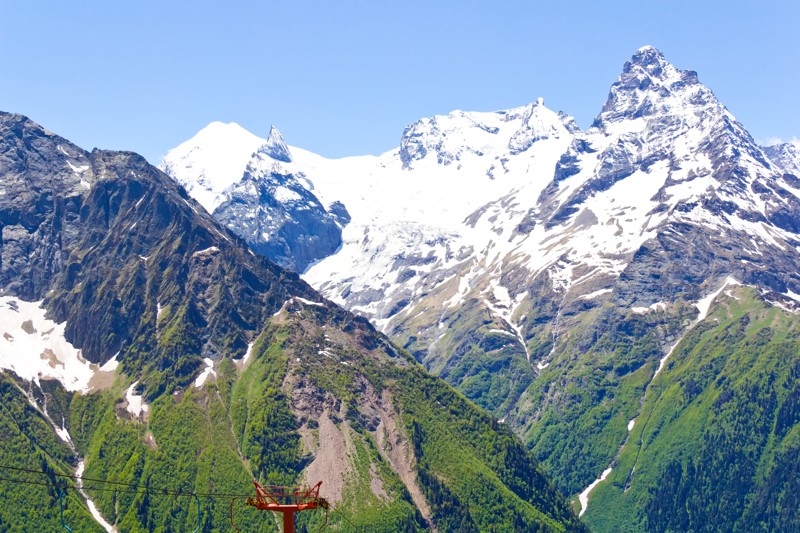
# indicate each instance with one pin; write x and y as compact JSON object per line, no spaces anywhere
{"x":259,"y":194}
{"x":785,"y":156}
{"x":278,"y":215}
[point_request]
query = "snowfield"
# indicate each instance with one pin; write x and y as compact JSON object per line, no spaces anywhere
{"x":34,"y":348}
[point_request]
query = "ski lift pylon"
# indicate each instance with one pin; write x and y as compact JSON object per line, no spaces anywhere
{"x":288,"y":501}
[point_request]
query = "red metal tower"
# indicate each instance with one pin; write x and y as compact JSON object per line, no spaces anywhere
{"x":288,"y":500}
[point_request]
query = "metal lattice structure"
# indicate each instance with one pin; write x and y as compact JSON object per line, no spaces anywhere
{"x":288,"y":501}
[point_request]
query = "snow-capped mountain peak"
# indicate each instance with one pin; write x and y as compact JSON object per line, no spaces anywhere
{"x":538,"y":123}
{"x":493,"y":201}
{"x":785,"y":156}
{"x":275,"y":147}
{"x":649,"y":86}
{"x":462,"y":137}
{"x":211,"y":161}
{"x":254,"y":186}
{"x":647,"y":56}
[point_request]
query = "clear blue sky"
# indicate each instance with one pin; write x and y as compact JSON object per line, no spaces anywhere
{"x":344,"y":78}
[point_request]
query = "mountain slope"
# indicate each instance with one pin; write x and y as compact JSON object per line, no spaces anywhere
{"x":252,"y":185}
{"x":207,"y":365}
{"x":550,"y":273}
{"x":717,"y":438}
{"x":785,"y":157}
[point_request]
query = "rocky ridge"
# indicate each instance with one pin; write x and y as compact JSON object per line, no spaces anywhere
{"x":252,"y":185}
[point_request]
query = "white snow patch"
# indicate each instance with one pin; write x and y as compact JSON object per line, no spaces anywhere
{"x":136,"y":404}
{"x":502,"y":332}
{"x":247,"y":354}
{"x":89,"y":503}
{"x":207,"y":371}
{"x":704,"y":303}
{"x":63,"y":434}
{"x":595,"y":294}
{"x":110,"y":365}
{"x":284,"y":194}
{"x":663,"y":360}
{"x":78,"y":170}
{"x":193,"y":208}
{"x":309,"y":302}
{"x":542,"y":366}
{"x":220,"y":233}
{"x":34,"y":347}
{"x":584,"y":496}
{"x":209,"y":250}
{"x":793,"y":295}
{"x":500,"y":294}
{"x":631,"y":423}
{"x":658,"y":306}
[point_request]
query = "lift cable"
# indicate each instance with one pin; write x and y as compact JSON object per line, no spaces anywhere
{"x":128,"y":487}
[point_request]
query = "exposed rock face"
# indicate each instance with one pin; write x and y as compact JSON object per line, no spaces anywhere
{"x":784,"y":156}
{"x":275,"y":147}
{"x":277,"y":214}
{"x":108,"y":241}
{"x":39,"y":218}
{"x":260,"y":194}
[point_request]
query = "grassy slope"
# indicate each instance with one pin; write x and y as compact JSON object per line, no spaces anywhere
{"x":474,"y":472}
{"x":575,"y":415}
{"x":27,"y":441}
{"x":718,"y":441}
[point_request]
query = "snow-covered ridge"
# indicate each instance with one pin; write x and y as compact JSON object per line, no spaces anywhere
{"x":34,"y":348}
{"x":479,"y":204}
{"x":461,"y":136}
{"x":211,"y":161}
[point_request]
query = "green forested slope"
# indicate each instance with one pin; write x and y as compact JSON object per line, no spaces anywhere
{"x":474,"y":473}
{"x":717,"y":443}
{"x":30,"y":502}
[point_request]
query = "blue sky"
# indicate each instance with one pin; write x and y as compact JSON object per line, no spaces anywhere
{"x":344,"y":78}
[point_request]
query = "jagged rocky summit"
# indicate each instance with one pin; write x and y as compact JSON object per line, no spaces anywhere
{"x":252,"y":185}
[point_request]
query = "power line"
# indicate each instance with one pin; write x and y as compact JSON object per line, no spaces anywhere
{"x":127,"y":487}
